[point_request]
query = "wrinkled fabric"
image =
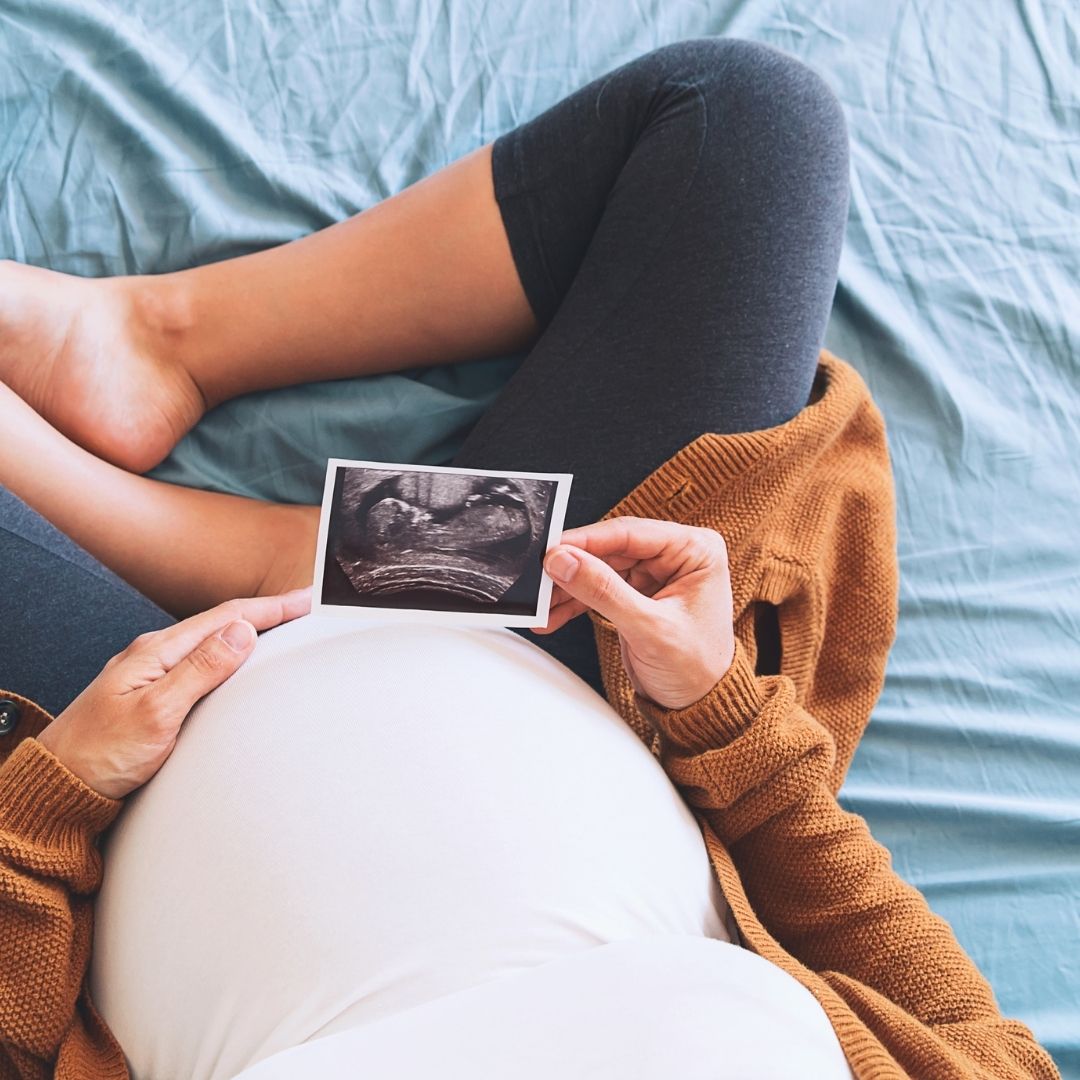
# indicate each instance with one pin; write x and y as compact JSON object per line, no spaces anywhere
{"x":155,"y":139}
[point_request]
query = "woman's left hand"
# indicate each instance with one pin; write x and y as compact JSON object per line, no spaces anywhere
{"x":665,"y":587}
{"x":118,"y":732}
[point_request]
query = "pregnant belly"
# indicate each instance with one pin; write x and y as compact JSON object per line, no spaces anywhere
{"x":369,"y":816}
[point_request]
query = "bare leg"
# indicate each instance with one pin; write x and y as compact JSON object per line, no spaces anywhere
{"x":185,"y":549}
{"x":125,"y":366}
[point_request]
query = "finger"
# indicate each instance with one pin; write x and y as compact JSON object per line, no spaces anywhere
{"x":599,"y":587}
{"x":564,"y":607}
{"x":663,"y":547}
{"x":172,"y":644}
{"x":642,"y":580}
{"x":625,"y":532}
{"x":205,"y":668}
{"x":560,"y":615}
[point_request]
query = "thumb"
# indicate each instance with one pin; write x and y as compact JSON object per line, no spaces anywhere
{"x":592,"y":581}
{"x":207,"y":666}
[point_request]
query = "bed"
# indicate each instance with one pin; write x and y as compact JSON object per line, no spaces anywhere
{"x":150,"y":137}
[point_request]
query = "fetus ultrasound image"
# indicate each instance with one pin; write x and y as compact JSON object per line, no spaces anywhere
{"x":440,"y":541}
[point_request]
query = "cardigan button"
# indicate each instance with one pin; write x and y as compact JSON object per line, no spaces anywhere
{"x":9,"y":715}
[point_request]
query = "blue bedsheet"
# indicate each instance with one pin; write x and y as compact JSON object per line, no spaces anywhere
{"x":154,"y":136}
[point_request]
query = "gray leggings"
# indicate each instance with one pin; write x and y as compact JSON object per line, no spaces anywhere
{"x":676,"y":225}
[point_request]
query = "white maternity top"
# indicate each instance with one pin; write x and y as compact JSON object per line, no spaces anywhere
{"x":375,"y":822}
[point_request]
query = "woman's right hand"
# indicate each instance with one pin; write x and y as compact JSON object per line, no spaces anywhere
{"x":666,"y":588}
{"x":118,"y":732}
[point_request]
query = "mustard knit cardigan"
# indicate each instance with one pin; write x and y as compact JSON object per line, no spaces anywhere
{"x":807,"y":511}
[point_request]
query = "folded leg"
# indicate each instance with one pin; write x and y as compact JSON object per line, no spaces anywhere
{"x":677,"y":226}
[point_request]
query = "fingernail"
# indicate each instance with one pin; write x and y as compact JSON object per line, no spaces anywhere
{"x":562,"y":565}
{"x":238,"y":635}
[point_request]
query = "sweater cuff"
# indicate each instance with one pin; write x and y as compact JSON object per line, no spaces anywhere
{"x":43,"y":802}
{"x":714,"y":720}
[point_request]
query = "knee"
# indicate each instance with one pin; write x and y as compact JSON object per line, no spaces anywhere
{"x":753,"y":88}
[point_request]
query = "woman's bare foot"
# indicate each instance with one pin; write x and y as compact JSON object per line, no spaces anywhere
{"x":91,"y":356}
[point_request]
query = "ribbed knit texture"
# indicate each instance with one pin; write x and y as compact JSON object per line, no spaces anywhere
{"x":807,"y":511}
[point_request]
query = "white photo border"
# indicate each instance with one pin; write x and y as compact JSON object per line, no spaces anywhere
{"x":444,"y":618}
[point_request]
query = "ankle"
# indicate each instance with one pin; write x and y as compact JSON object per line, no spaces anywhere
{"x":291,"y":559}
{"x":161,"y":317}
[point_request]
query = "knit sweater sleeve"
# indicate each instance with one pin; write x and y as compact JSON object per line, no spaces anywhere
{"x":755,"y":766}
{"x":50,"y":868}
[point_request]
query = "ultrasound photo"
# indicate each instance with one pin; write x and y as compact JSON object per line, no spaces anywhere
{"x":438,"y":544}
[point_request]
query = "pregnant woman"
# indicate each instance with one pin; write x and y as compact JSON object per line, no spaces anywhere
{"x":363,"y":849}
